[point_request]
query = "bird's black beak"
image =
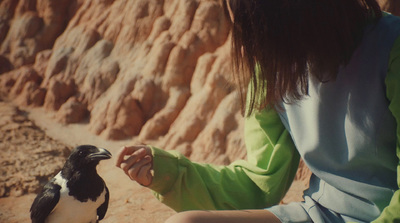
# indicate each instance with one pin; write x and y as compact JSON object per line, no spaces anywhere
{"x":102,"y":154}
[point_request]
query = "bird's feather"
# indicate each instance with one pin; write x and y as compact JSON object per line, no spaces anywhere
{"x":45,"y":202}
{"x":101,"y":211}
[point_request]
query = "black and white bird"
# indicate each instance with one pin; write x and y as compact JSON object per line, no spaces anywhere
{"x":77,"y":193}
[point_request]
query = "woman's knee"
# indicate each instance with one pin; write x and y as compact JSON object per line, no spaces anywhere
{"x":188,"y":217}
{"x":238,"y":216}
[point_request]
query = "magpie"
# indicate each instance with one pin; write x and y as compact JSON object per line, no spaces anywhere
{"x":77,"y":193}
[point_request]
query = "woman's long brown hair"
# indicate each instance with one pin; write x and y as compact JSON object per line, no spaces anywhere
{"x":287,"y":41}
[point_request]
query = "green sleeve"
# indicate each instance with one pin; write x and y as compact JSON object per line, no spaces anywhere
{"x":392,"y":212}
{"x":259,"y":182}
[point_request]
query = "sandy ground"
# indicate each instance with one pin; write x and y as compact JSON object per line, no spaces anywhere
{"x":129,"y":202}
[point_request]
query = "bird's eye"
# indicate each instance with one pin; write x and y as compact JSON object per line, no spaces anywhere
{"x":80,"y":153}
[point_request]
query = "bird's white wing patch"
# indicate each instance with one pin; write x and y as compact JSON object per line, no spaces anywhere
{"x":70,"y":209}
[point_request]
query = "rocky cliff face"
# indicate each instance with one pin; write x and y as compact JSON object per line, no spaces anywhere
{"x":154,"y":71}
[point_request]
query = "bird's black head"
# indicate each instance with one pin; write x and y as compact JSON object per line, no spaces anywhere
{"x":87,"y":155}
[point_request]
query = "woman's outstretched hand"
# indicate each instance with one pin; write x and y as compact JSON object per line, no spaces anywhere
{"x":136,"y":162}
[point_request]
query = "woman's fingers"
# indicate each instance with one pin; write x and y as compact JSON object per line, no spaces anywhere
{"x":127,"y":151}
{"x":135,"y":172}
{"x":136,"y":162}
{"x":124,"y":151}
{"x":132,"y":159}
{"x":145,"y":175}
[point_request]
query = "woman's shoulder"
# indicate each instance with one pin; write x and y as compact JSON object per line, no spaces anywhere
{"x":389,"y":22}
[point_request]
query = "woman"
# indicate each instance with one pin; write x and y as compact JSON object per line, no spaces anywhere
{"x":324,"y":79}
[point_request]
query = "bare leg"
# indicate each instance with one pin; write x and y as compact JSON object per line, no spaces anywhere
{"x":253,"y":216}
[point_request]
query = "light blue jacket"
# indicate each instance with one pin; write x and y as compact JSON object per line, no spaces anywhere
{"x":345,"y":130}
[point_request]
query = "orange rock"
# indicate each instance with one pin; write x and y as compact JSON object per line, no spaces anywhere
{"x":58,"y":92}
{"x":72,"y":111}
{"x":155,"y":71}
{"x":22,"y":76}
{"x":31,"y":95}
